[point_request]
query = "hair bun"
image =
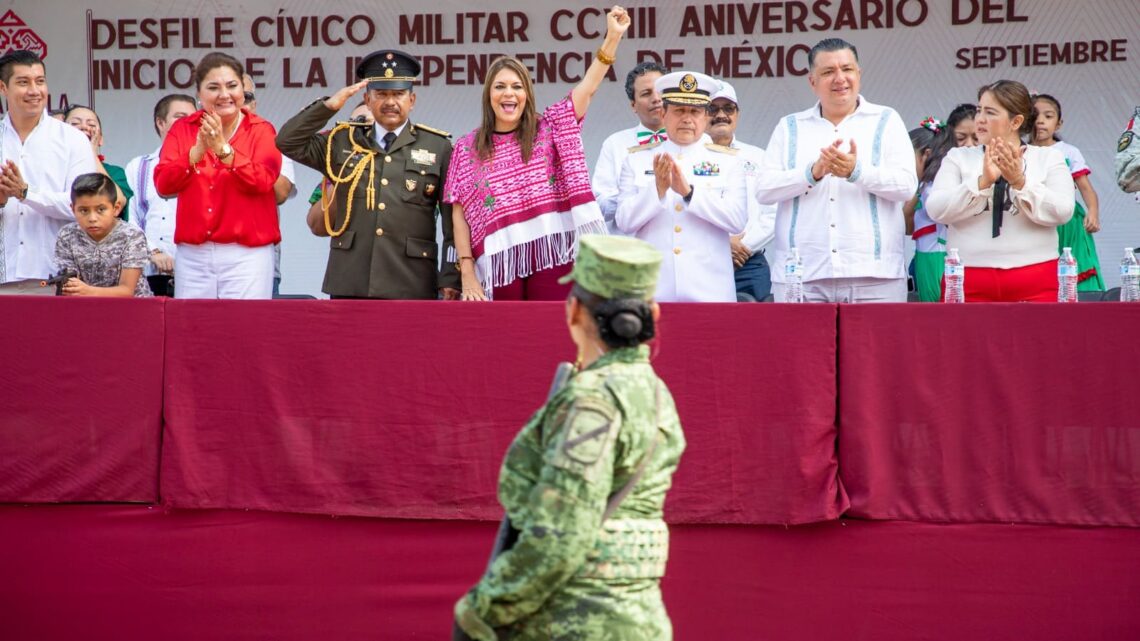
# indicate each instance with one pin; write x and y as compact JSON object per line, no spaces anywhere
{"x":625,"y":324}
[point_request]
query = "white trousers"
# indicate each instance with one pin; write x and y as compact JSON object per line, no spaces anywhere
{"x":848,"y":290}
{"x":223,"y":270}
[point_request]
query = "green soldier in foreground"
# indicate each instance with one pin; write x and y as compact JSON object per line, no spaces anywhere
{"x":585,"y":480}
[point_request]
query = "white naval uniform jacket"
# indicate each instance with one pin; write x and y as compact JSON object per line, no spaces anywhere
{"x":692,"y":236}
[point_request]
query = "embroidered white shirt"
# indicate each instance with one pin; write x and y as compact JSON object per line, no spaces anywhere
{"x":844,"y":227}
{"x":51,"y":158}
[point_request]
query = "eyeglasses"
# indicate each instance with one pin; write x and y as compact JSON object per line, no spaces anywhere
{"x":249,"y":97}
{"x":729,"y":109}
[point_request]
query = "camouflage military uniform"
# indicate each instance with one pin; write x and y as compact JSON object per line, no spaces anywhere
{"x":1128,"y":156}
{"x":570,"y":576}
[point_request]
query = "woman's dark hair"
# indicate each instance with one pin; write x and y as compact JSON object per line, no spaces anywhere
{"x":925,"y":139}
{"x":212,"y":61}
{"x":945,"y":141}
{"x":73,"y":107}
{"x":527,"y":128}
{"x":1014,"y":98}
{"x":964,"y":111}
{"x":622,"y":322}
{"x":93,"y":184}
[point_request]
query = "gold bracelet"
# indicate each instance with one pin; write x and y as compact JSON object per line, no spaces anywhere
{"x":604,"y":58}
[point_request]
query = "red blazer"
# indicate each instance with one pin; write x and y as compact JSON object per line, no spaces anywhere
{"x":217,"y":202}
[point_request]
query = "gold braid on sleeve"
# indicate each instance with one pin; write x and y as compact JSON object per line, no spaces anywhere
{"x":367,"y":163}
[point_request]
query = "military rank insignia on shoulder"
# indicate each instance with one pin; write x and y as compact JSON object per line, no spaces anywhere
{"x":636,"y":148}
{"x":722,"y":149}
{"x":438,"y":132}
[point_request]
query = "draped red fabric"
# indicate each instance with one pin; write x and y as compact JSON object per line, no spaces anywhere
{"x":136,"y":572}
{"x":404,"y":409}
{"x":1000,"y":412}
{"x":80,"y":399}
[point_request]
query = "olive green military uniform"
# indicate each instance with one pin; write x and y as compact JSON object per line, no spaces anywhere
{"x":571,"y":575}
{"x":388,"y":250}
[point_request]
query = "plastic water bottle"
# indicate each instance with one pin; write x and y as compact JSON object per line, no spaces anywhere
{"x":1129,"y":277}
{"x":955,"y":276}
{"x":794,"y":277}
{"x":1067,"y":277}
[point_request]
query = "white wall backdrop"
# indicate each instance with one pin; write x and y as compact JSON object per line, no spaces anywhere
{"x":920,"y":56}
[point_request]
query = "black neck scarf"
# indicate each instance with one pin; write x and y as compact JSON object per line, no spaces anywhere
{"x":1001,"y":194}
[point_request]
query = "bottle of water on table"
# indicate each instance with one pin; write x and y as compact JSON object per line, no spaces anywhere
{"x":954,"y":276}
{"x":1067,"y":277}
{"x":794,"y":277}
{"x":1129,"y":277}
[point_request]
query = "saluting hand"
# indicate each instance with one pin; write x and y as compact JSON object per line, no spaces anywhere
{"x":336,"y":101}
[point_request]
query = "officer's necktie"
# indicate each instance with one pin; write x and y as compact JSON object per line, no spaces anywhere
{"x":389,"y":138}
{"x":646,"y":137}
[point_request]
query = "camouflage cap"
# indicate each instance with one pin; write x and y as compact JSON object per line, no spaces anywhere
{"x":615,"y":267}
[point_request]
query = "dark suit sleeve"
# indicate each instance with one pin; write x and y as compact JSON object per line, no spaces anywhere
{"x":448,"y":275}
{"x":300,"y":138}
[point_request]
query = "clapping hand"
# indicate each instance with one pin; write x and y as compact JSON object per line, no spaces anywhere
{"x":12,"y":183}
{"x":836,"y":162}
{"x":822,"y":165}
{"x":1008,"y":160}
{"x":990,"y":169}
{"x":668,"y":175}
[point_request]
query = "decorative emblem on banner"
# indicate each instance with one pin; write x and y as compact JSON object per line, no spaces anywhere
{"x":15,"y":35}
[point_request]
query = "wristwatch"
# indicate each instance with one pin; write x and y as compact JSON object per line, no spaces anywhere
{"x":24,"y":193}
{"x":227,"y":151}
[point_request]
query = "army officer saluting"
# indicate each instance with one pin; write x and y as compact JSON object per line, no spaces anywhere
{"x":387,"y":179}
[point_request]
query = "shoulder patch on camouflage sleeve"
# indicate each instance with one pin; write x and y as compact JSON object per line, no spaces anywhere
{"x":1125,"y":141}
{"x":588,"y":426}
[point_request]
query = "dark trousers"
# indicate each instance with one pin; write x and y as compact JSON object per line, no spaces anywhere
{"x":754,"y":277}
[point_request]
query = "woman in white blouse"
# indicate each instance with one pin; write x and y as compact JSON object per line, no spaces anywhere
{"x":1003,"y":201}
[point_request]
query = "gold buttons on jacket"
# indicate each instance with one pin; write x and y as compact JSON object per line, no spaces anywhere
{"x":676,"y":250}
{"x":381,"y":206}
{"x":423,"y":172}
{"x":387,"y":159}
{"x":678,"y":207}
{"x":677,"y":229}
{"x":383,"y":181}
{"x":379,"y":232}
